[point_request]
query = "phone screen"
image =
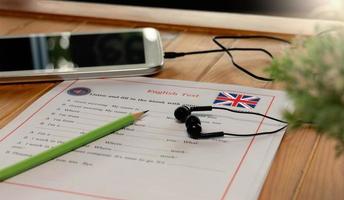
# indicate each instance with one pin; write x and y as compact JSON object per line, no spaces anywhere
{"x":68,"y":51}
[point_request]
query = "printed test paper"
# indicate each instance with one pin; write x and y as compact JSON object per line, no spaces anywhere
{"x":152,"y":159}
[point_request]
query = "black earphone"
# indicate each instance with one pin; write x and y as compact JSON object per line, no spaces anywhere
{"x":194,"y":128}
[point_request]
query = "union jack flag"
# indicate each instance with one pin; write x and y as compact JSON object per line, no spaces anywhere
{"x":236,"y":100}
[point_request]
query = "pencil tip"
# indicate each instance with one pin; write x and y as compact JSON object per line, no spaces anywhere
{"x":145,"y":111}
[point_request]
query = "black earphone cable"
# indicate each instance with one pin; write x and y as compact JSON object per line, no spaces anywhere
{"x":238,"y":66}
{"x":251,"y":113}
{"x":193,"y":123}
{"x":169,"y":55}
{"x":257,"y":134}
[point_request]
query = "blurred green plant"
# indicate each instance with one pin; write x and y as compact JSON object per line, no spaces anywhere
{"x":313,"y":74}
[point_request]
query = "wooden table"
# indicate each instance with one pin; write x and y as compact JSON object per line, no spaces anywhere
{"x":305,"y":166}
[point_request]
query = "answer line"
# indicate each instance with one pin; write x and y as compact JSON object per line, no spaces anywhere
{"x":55,"y":130}
{"x":136,"y":153}
{"x":146,"y":148}
{"x":199,"y":168}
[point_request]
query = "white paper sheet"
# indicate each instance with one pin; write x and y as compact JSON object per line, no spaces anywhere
{"x":152,"y":159}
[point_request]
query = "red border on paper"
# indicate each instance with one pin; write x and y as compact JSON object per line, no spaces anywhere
{"x":231,"y":179}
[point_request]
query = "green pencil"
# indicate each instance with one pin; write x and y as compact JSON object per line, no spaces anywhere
{"x":68,"y":146}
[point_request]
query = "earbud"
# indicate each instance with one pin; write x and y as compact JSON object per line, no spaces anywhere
{"x":182,"y":112}
{"x":193,"y":123}
{"x":194,"y":128}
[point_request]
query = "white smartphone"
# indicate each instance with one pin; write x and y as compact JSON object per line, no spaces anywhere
{"x":66,"y":56}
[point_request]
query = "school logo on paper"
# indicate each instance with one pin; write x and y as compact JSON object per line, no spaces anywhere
{"x":79,"y":91}
{"x":236,"y":100}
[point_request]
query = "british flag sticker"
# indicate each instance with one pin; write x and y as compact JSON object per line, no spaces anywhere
{"x":236,"y":100}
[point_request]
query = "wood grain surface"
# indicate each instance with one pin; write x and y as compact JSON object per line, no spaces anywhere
{"x":305,"y":166}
